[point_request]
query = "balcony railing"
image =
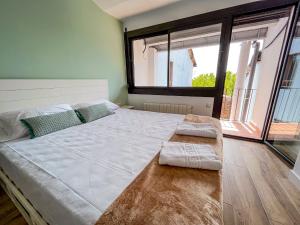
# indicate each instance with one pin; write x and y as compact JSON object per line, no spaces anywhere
{"x":288,"y":108}
{"x":240,"y":104}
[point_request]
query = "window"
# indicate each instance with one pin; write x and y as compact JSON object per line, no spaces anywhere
{"x":150,"y":62}
{"x":188,"y":57}
{"x":194,"y":55}
{"x":191,"y":62}
{"x":284,"y":133}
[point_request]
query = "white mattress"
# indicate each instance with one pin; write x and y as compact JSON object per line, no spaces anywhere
{"x":72,"y":176}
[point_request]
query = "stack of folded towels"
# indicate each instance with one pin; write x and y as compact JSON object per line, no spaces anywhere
{"x":189,"y":155}
{"x":196,"y":129}
{"x":201,"y":156}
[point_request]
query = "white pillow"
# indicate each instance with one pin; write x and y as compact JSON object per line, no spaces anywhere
{"x":10,"y":126}
{"x":111,"y":106}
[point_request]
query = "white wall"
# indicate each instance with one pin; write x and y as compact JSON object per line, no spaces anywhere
{"x":201,"y":105}
{"x":161,"y":69}
{"x":295,"y":173}
{"x":269,"y":64}
{"x":182,"y":68}
{"x":297,"y":166}
{"x":178,"y":10}
{"x":143,"y":64}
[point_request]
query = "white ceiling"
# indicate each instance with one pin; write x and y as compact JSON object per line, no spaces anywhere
{"x":125,"y":8}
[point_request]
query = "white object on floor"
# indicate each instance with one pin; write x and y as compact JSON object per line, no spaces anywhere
{"x":71,"y":176}
{"x":196,"y":129}
{"x":199,"y":156}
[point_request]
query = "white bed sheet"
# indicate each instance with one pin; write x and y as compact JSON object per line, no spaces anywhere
{"x":72,"y":176}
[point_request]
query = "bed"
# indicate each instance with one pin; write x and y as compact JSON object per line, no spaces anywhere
{"x":84,"y":174}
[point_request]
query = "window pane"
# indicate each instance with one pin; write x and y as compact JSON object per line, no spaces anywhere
{"x":150,"y":63}
{"x":284,"y":132}
{"x":194,"y":56}
{"x":254,"y":55}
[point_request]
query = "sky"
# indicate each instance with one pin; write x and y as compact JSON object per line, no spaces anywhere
{"x":207,"y":58}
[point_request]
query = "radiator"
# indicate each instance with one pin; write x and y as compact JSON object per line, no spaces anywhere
{"x":168,"y":108}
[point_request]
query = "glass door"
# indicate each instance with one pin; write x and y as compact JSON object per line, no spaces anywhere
{"x":250,"y":74}
{"x":284,"y":133}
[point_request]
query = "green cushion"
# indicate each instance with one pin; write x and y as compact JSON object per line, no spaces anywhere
{"x":46,"y":124}
{"x":93,"y":112}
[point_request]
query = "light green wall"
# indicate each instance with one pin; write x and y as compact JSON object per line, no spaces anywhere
{"x":67,"y":39}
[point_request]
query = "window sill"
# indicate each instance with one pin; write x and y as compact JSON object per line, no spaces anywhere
{"x":176,"y":91}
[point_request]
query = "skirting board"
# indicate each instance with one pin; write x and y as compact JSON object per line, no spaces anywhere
{"x":29,"y":213}
{"x":294,"y":178}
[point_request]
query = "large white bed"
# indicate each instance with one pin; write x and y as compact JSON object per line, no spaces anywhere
{"x":73,"y":175}
{"x":77,"y":175}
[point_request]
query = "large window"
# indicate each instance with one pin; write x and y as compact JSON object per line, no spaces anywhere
{"x":187,"y":58}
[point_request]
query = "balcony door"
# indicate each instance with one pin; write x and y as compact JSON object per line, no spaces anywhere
{"x":250,"y":74}
{"x":284,"y":132}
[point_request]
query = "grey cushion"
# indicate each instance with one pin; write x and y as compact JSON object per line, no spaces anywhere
{"x":45,"y":124}
{"x":93,"y":112}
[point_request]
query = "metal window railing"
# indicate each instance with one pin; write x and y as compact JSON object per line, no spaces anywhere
{"x":288,"y":105}
{"x":240,"y":104}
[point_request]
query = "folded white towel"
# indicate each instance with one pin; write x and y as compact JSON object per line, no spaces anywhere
{"x":196,"y":129}
{"x":200,"y":156}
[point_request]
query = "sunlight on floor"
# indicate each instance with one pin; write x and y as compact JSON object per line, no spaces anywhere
{"x":240,"y":129}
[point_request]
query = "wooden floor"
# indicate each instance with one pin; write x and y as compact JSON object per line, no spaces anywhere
{"x":256,"y":187}
{"x":9,"y":215}
{"x":257,"y":190}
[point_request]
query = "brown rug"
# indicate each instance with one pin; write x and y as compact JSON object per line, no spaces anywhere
{"x":166,"y":195}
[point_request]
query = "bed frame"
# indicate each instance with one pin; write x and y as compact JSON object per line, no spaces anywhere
{"x":30,"y":214}
{"x":18,"y":94}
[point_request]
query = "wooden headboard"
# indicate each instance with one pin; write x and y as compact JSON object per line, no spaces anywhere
{"x":17,"y":94}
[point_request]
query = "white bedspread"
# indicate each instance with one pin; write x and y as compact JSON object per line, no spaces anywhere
{"x":73,"y":175}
